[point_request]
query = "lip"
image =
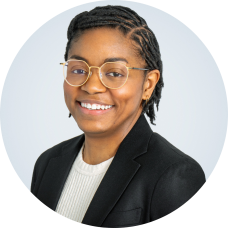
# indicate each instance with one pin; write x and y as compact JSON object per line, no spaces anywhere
{"x":92,"y":112}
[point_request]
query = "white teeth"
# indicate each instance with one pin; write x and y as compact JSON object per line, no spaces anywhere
{"x":95,"y":106}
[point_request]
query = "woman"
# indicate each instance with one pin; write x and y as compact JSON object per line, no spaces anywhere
{"x":119,"y":172}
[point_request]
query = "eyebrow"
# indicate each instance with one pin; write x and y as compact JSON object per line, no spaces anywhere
{"x":106,"y":60}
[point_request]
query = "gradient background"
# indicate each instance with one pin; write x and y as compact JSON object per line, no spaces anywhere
{"x":192,"y":112}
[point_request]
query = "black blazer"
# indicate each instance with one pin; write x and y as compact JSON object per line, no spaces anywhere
{"x":147,"y":179}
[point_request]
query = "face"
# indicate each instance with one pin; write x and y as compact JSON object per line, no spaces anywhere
{"x":95,"y":46}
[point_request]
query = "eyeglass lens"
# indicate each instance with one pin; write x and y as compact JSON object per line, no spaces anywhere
{"x":113,"y":75}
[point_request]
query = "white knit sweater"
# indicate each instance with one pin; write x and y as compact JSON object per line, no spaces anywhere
{"x":80,"y":187}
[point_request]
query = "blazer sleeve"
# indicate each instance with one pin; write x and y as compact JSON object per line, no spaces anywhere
{"x":178,"y":183}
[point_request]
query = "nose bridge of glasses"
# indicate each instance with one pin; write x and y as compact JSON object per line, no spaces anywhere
{"x":90,"y":74}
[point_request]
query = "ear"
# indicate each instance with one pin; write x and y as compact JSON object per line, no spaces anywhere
{"x":149,"y":84}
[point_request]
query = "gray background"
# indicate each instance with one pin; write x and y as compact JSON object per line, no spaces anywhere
{"x":192,"y":112}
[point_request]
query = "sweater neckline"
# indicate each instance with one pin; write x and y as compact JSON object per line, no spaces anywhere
{"x":87,"y":169}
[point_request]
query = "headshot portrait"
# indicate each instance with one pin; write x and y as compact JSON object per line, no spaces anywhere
{"x":109,"y":158}
{"x":118,"y":172}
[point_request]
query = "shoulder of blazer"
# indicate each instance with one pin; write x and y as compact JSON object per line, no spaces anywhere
{"x":161,"y":155}
{"x":50,"y":153}
{"x":177,"y":177}
{"x":166,"y":149}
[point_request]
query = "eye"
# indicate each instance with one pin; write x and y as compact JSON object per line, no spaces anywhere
{"x":114,"y":74}
{"x":79,"y":71}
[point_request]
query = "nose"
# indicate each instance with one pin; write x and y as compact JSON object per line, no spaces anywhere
{"x":94,"y":84}
{"x":91,"y":72}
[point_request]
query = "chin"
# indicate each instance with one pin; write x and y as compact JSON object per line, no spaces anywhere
{"x":93,"y":128}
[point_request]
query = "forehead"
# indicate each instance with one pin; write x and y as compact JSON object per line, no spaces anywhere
{"x":100,"y":43}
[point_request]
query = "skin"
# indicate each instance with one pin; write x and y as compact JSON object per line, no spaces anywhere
{"x":104,"y":133}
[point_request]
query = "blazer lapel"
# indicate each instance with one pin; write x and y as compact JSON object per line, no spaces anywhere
{"x":57,"y":172}
{"x":120,"y":173}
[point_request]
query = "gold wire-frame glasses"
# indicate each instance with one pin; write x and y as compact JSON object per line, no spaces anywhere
{"x":100,"y":74}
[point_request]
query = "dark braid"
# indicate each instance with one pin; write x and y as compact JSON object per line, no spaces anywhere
{"x":132,"y":26}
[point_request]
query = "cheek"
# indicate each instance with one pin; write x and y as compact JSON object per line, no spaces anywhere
{"x":129,"y":96}
{"x":69,"y":93}
{"x":66,"y":91}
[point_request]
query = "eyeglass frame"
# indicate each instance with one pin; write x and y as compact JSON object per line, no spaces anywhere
{"x":90,"y":72}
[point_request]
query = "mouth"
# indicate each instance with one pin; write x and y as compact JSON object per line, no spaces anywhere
{"x":94,"y":108}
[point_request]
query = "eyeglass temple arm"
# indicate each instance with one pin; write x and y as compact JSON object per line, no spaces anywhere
{"x":134,"y":68}
{"x":61,"y":63}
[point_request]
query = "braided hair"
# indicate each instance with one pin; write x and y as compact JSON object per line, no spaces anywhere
{"x":132,"y":26}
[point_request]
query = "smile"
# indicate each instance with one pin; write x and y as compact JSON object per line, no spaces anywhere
{"x":94,"y":109}
{"x":95,"y":106}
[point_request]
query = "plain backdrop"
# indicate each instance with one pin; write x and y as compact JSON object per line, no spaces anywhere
{"x":192,"y":115}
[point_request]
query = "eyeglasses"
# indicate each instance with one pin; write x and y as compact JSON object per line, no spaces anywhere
{"x":113,"y":75}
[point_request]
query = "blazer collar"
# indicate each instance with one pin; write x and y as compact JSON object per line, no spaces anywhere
{"x":118,"y":176}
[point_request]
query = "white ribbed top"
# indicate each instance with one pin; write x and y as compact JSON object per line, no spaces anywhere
{"x":80,"y":187}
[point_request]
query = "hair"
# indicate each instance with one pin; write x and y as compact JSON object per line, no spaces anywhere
{"x":132,"y":26}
